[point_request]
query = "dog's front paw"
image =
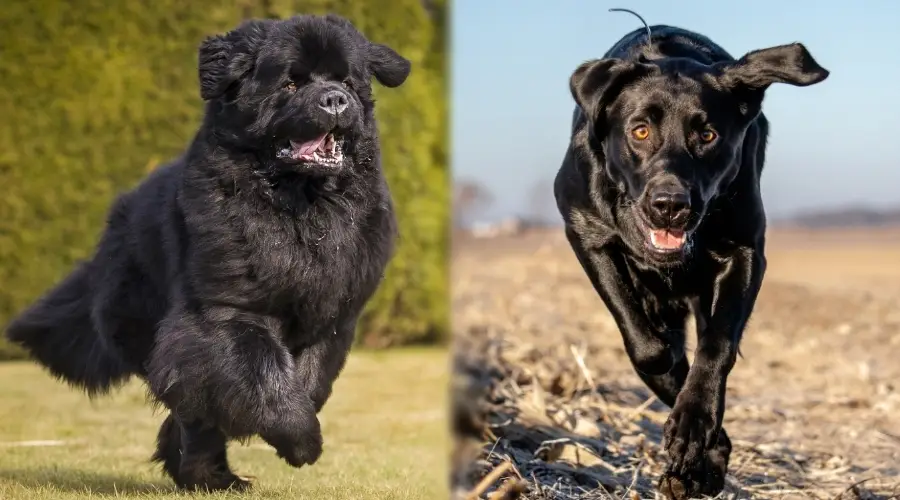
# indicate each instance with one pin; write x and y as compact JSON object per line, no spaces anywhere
{"x":678,"y":486}
{"x":706,"y":479}
{"x":689,"y":431}
{"x":305,"y":452}
{"x":303,"y":447}
{"x":698,"y":453}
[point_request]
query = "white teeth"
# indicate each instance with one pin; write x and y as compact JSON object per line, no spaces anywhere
{"x":329,"y":153}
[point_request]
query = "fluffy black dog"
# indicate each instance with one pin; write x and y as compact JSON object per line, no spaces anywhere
{"x":231,"y":280}
{"x":659,"y":190}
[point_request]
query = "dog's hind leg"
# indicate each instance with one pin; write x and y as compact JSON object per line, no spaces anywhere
{"x":195,"y":457}
{"x":168,"y":447}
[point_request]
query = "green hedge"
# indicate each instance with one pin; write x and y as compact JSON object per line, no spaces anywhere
{"x":95,"y":94}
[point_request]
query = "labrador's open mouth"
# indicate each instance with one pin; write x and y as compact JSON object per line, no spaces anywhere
{"x":324,"y":150}
{"x":663,"y":240}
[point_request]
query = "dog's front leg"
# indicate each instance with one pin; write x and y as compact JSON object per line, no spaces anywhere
{"x":319,"y":365}
{"x":697,"y":446}
{"x":230,"y":369}
{"x":652,"y":357}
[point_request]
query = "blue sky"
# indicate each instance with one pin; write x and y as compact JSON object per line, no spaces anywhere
{"x":831,"y":144}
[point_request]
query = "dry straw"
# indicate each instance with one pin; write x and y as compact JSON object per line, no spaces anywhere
{"x":533,"y":424}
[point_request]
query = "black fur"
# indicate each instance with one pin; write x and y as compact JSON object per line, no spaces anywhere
{"x":668,"y":140}
{"x":231,"y":280}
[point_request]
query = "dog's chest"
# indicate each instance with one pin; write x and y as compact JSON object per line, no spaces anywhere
{"x":320,"y":267}
{"x":672,"y":284}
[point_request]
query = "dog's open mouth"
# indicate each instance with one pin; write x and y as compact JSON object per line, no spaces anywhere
{"x":324,"y":150}
{"x":663,"y":240}
{"x":667,"y":240}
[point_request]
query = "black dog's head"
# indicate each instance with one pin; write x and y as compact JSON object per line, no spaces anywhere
{"x":669,"y":132}
{"x":297,"y":93}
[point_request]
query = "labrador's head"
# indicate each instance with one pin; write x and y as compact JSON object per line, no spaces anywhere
{"x":669,"y":132}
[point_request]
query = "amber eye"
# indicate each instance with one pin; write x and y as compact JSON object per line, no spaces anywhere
{"x":290,"y":87}
{"x":708,"y":136}
{"x":640,"y":132}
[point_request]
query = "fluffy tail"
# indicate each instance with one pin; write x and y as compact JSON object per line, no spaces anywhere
{"x":57,"y":331}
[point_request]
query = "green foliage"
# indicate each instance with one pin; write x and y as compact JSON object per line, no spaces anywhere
{"x":96,"y":94}
{"x":10,"y":352}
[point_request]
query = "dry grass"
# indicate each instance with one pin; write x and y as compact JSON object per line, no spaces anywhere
{"x":384,"y":428}
{"x":545,"y":387}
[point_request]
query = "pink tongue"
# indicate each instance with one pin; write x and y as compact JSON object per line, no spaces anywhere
{"x":307,"y":148}
{"x":668,"y":240}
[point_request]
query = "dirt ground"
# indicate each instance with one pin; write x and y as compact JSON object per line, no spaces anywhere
{"x":813,"y":406}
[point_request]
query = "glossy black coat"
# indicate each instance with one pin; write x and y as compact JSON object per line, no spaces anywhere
{"x":677,"y":86}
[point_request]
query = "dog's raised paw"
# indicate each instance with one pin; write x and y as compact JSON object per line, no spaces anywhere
{"x":305,"y":451}
{"x":688,"y":433}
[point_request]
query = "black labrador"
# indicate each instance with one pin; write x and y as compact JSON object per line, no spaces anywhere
{"x":660,"y":195}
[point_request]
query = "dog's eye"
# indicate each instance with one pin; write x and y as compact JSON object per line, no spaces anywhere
{"x":347,"y":84}
{"x":290,"y":87}
{"x":707,"y":136}
{"x":641,"y":132}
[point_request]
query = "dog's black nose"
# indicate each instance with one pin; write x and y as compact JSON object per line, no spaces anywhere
{"x":334,"y":102}
{"x":671,"y":208}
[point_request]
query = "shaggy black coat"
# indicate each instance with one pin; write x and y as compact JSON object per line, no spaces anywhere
{"x":231,"y":280}
{"x":659,"y":191}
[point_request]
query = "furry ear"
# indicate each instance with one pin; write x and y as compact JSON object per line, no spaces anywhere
{"x":389,"y":67}
{"x":596,"y":83}
{"x":224,"y":59}
{"x":791,"y":64}
{"x":213,"y":67}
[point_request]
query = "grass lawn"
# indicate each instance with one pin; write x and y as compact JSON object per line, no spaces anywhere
{"x":384,"y":428}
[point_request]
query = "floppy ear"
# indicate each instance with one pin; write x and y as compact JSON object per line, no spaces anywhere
{"x":224,"y":59}
{"x":791,"y":64}
{"x":596,"y":83}
{"x":389,"y":67}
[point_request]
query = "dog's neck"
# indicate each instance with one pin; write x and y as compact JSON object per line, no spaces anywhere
{"x":297,"y":193}
{"x":225,"y":172}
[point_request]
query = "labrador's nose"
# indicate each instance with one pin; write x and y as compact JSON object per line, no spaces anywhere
{"x":670,"y":208}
